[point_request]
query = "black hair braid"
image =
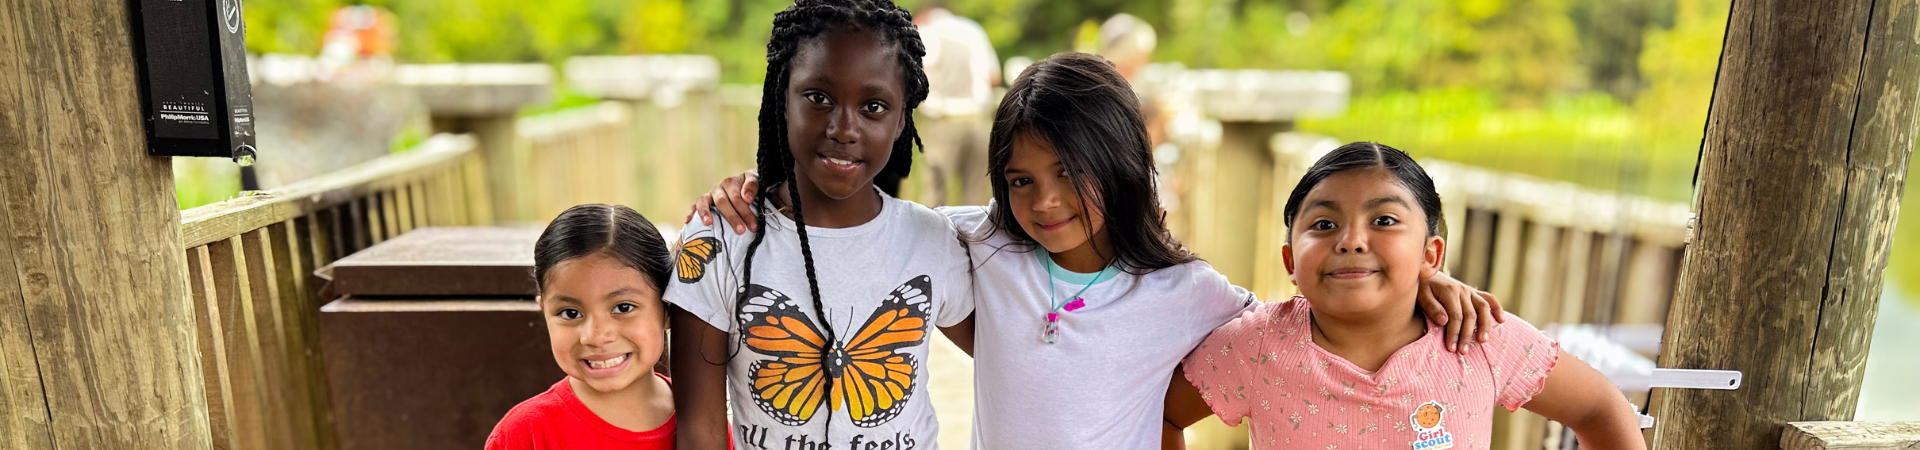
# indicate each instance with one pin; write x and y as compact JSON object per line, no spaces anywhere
{"x":806,"y":253}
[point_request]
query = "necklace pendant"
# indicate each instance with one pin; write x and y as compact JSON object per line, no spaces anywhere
{"x":1051,"y":333}
{"x":1077,"y":303}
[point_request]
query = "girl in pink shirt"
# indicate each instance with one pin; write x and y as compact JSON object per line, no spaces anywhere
{"x":1350,"y":365}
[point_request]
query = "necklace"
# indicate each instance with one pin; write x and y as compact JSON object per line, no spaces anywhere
{"x":1052,"y":332}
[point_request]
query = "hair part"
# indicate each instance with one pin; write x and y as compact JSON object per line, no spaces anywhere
{"x":598,"y":229}
{"x":1371,"y":155}
{"x":1080,"y":106}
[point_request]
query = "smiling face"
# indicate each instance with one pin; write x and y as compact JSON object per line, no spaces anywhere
{"x":1043,"y":199}
{"x":606,"y":323}
{"x":1360,"y":245}
{"x":846,"y":105}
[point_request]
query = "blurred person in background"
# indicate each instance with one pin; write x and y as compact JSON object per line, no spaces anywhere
{"x":1128,"y":42}
{"x":962,"y":70}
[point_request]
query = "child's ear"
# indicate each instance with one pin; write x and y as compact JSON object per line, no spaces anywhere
{"x":1286,"y":256}
{"x":1436,"y":255}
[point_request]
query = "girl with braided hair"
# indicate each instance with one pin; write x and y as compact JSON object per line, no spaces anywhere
{"x":807,"y":364}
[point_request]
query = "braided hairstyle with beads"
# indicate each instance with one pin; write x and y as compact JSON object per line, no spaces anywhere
{"x":808,"y":19}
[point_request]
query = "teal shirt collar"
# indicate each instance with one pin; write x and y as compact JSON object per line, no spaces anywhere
{"x":1070,"y":277}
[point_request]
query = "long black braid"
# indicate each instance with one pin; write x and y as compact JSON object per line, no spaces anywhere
{"x":804,"y":20}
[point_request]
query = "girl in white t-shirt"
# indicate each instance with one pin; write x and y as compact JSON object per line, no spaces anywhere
{"x":1084,"y":303}
{"x":814,"y":331}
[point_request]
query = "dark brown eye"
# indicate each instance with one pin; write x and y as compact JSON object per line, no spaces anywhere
{"x":1385,"y":221}
{"x":1321,"y":225}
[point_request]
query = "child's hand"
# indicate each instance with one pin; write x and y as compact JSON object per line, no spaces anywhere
{"x":1445,"y":299}
{"x":733,"y":198}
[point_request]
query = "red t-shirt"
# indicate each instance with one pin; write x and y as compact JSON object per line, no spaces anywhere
{"x":556,"y":419}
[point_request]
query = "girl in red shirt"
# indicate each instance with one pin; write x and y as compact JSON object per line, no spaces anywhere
{"x":600,"y":269}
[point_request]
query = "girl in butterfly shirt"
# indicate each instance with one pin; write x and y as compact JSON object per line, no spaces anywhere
{"x":1348,"y":365}
{"x":1086,"y":305}
{"x":816,"y":329}
{"x":600,"y":270}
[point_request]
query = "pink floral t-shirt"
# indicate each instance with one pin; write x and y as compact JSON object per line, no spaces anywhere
{"x":1264,"y":365}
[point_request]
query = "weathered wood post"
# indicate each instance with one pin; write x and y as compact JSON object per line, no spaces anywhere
{"x":484,"y":99}
{"x":676,"y":123}
{"x":1799,"y":183}
{"x":97,"y":338}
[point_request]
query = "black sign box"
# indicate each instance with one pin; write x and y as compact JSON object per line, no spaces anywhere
{"x":193,"y":78}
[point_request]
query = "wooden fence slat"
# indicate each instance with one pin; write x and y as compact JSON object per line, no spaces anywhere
{"x":432,"y":208}
{"x":1504,"y":272}
{"x":1538,"y":284}
{"x":418,"y":189}
{"x":310,"y":237}
{"x":446,"y":200}
{"x":402,"y":196}
{"x":1577,"y":254}
{"x":389,"y":215}
{"x":1605,"y":300}
{"x":232,"y":293}
{"x":322,"y":237}
{"x":271,"y":330}
{"x":272,"y":264}
{"x":214,"y":368}
{"x":297,"y":311}
{"x":356,"y":227}
{"x":479,"y":197}
{"x":455,"y":182}
{"x":1477,"y":252}
{"x":376,"y":221}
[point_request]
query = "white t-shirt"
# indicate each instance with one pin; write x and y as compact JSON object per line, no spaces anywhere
{"x":1102,"y":384}
{"x":884,"y":285}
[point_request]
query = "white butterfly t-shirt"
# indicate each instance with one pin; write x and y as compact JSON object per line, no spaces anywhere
{"x":884,"y":286}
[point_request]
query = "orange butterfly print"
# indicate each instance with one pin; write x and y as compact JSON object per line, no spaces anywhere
{"x":870,"y":374}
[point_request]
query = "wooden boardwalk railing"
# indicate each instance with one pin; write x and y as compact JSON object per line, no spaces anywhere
{"x":249,"y":261}
{"x":580,"y":155}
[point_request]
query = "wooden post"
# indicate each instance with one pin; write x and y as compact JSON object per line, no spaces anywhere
{"x":484,"y":100}
{"x":97,"y":334}
{"x":1800,"y":178}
